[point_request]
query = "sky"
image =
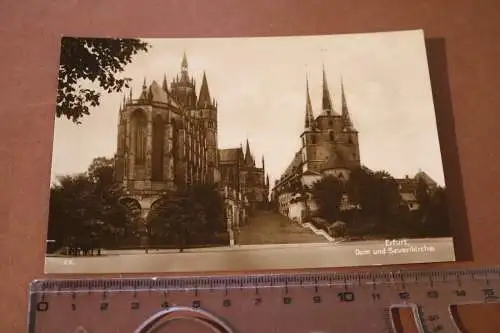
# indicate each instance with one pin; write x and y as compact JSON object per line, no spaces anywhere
{"x":260,"y":86}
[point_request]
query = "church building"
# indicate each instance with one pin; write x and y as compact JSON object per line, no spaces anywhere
{"x":167,"y":140}
{"x":329,"y":146}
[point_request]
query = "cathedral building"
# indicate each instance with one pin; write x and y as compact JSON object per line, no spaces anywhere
{"x":329,"y":146}
{"x":167,"y":140}
{"x":238,"y":170}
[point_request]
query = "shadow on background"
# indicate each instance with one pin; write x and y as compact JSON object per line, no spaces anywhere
{"x":438,"y":68}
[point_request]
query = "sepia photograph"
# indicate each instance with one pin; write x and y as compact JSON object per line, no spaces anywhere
{"x":251,"y":153}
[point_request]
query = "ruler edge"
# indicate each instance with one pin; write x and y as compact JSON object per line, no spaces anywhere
{"x":263,"y":276}
{"x":34,"y":291}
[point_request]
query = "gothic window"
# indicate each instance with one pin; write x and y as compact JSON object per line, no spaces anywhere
{"x":313,"y":139}
{"x":331,"y":136}
{"x":158,"y":141}
{"x":330,"y":123}
{"x":139,"y":136}
{"x":349,"y":140}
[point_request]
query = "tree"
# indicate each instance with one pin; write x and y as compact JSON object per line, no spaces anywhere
{"x":388,"y":198}
{"x":85,"y":209}
{"x":424,"y":199}
{"x":210,"y":199}
{"x":115,"y":216}
{"x":437,"y":223}
{"x":360,"y":188}
{"x":177,"y":217}
{"x":73,"y":211}
{"x":97,"y":60}
{"x":327,"y":193}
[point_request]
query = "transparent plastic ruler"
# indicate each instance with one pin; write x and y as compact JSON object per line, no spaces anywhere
{"x":336,"y":302}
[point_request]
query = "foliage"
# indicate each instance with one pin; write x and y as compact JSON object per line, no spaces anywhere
{"x":437,"y":221}
{"x":84,"y":209}
{"x":379,"y":208}
{"x":212,"y":203}
{"x":188,"y":217}
{"x":177,"y":218}
{"x":98,"y":60}
{"x":327,"y":193}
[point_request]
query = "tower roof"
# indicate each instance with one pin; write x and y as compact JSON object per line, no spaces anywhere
{"x":165,"y":83}
{"x":230,"y":154}
{"x":184,"y":63}
{"x":157,"y":93}
{"x":309,"y":117}
{"x":345,"y":109}
{"x":248,"y":155}
{"x":204,"y":98}
{"x":184,"y":71}
{"x":327,"y":99}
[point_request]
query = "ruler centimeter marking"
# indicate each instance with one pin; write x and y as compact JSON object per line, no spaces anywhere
{"x":305,"y":302}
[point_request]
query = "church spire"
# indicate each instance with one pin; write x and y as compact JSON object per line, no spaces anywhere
{"x":204,"y":98}
{"x":263,"y":163}
{"x":184,"y":70}
{"x":309,"y":120}
{"x":144,"y":94}
{"x":165,"y":84}
{"x":184,"y":63}
{"x":248,"y":156}
{"x":327,"y":100}
{"x":345,"y":110}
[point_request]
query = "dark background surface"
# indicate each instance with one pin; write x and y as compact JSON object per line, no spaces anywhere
{"x":463,"y":53}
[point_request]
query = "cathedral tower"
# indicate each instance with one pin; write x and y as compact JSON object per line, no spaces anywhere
{"x":309,"y":137}
{"x":329,"y":141}
{"x":183,"y":87}
{"x":207,"y":109}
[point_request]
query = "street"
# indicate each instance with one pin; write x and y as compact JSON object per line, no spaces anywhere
{"x":274,"y":228}
{"x":257,"y":257}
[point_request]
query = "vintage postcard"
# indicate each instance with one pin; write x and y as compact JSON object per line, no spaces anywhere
{"x":226,"y":154}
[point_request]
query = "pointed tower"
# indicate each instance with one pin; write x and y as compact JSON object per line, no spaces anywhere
{"x":263,"y":164}
{"x":345,"y":111}
{"x":309,"y":116}
{"x":204,"y":97}
{"x":165,"y":84}
{"x":248,"y":156}
{"x":183,"y":88}
{"x":327,"y":104}
{"x":184,"y":68}
{"x":144,"y":94}
{"x":208,"y":113}
{"x":309,"y":136}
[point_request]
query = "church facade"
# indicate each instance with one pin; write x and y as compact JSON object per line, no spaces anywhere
{"x":167,"y":140}
{"x":329,"y":146}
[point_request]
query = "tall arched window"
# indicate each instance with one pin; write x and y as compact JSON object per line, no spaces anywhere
{"x":158,"y":142}
{"x":139,"y":136}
